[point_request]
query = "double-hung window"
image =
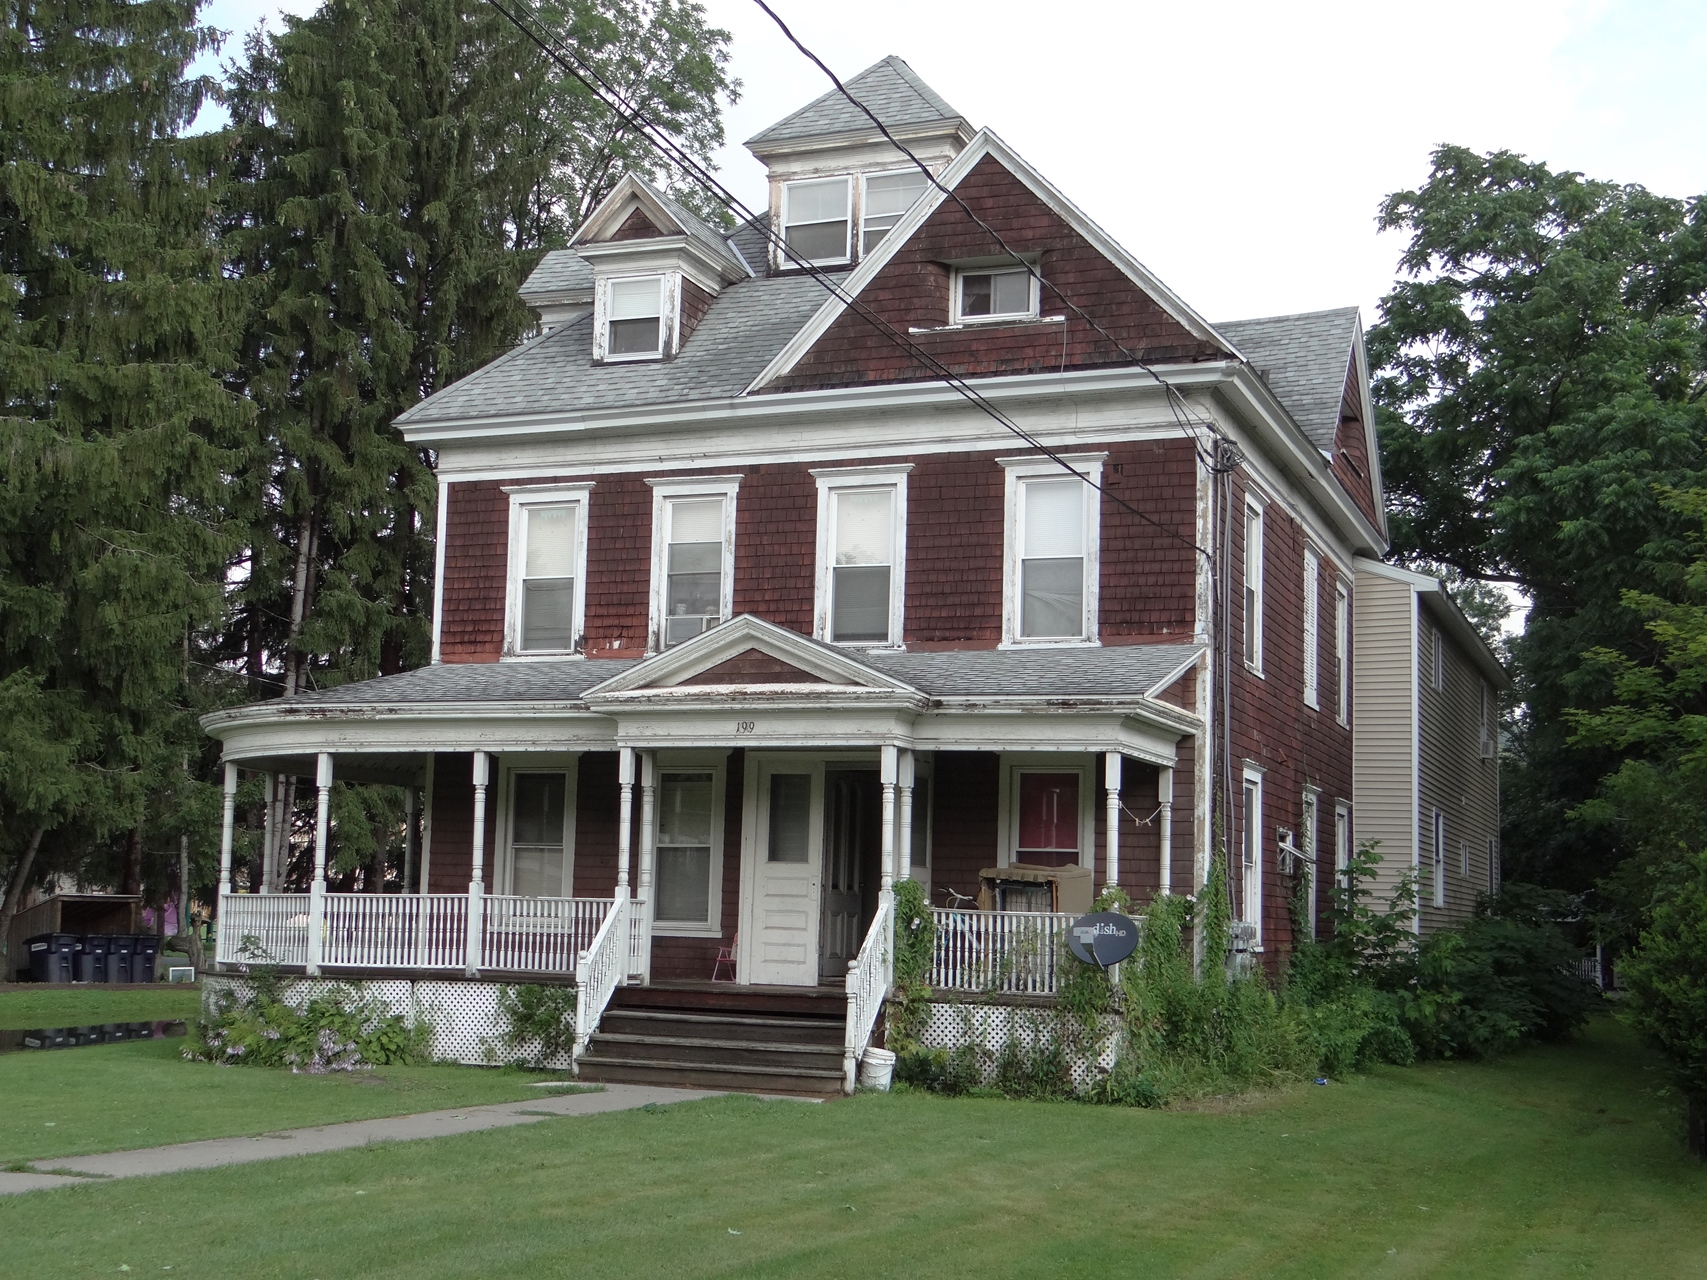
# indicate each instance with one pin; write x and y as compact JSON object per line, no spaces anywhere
{"x":1253,"y":587}
{"x":1047,"y":805}
{"x":547,"y":569}
{"x":539,"y":831}
{"x":815,"y":222}
{"x":862,"y":554}
{"x":1250,"y":856}
{"x":994,"y":293}
{"x":887,"y":197}
{"x":688,"y":850}
{"x":1342,"y":655}
{"x":693,"y":556}
{"x":634,"y":318}
{"x":1309,"y":836}
{"x":1053,"y":521}
{"x":1312,"y":627}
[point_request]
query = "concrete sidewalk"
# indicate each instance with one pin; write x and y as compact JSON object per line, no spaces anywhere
{"x":219,"y":1152}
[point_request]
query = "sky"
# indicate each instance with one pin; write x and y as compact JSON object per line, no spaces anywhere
{"x":1241,"y":152}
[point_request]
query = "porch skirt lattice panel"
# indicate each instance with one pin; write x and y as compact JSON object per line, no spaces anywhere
{"x":467,"y":1027}
{"x":991,"y":1028}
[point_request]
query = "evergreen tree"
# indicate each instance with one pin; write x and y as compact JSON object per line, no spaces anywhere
{"x":116,"y":429}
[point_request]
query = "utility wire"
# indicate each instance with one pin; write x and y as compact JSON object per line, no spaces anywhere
{"x":618,"y":102}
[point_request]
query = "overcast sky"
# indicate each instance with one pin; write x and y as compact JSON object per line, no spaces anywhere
{"x":1241,"y":151}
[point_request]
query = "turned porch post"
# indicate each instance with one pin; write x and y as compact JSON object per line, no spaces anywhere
{"x":1111,"y":785}
{"x":624,"y":817}
{"x":1165,"y":826}
{"x":408,"y":837}
{"x":905,"y":872}
{"x":227,"y":823}
{"x":648,"y":848}
{"x":317,"y":886}
{"x":887,"y":775}
{"x":476,"y":881}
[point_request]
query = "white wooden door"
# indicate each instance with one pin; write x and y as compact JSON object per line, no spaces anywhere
{"x":787,"y":857}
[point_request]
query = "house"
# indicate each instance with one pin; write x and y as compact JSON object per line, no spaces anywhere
{"x":1426,"y":742}
{"x":912,"y":530}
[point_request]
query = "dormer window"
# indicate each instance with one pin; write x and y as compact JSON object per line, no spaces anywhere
{"x":983,"y":295}
{"x":815,"y":220}
{"x":634,"y":318}
{"x":887,"y":197}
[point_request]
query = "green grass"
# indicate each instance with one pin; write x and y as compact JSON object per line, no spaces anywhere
{"x":57,"y":1006}
{"x":1552,"y":1162}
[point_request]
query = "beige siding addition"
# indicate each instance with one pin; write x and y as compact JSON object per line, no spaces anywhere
{"x":1384,"y":735}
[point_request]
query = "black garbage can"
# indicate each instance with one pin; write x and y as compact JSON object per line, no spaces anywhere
{"x":51,"y":956}
{"x":92,"y":957}
{"x":120,"y":950}
{"x":142,"y":959}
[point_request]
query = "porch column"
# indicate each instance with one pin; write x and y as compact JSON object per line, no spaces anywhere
{"x":227,"y":823}
{"x":317,"y":886}
{"x":648,"y":846}
{"x":1165,"y":825}
{"x":905,"y":872}
{"x":887,"y":775}
{"x":1111,"y":794}
{"x":624,"y":817}
{"x":269,"y":835}
{"x":408,"y":837}
{"x":477,"y":882}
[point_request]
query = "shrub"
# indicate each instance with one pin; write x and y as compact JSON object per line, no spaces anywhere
{"x":338,"y":1030}
{"x":536,"y":1014}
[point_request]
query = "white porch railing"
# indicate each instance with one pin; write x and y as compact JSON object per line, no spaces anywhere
{"x":599,"y":970}
{"x":538,"y":935}
{"x":278,"y":922}
{"x":998,"y":952}
{"x":639,"y":940}
{"x":395,"y":931}
{"x":869,"y":979}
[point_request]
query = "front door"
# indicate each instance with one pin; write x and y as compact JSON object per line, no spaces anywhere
{"x":853,"y":812}
{"x":787,"y":854}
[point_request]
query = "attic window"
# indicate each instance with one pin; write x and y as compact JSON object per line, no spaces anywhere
{"x":634,"y":318}
{"x":887,"y":197}
{"x":815,"y":220}
{"x":994,"y":295}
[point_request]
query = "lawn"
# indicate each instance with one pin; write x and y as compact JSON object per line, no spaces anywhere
{"x":24,"y":1008}
{"x":1554,"y":1161}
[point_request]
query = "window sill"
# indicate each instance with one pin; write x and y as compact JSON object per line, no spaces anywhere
{"x":541,"y":655}
{"x":980,"y":322}
{"x":1252,"y":669}
{"x":685,"y":930}
{"x":1050,"y":644}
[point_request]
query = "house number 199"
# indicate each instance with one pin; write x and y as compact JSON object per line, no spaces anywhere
{"x":745,"y":726}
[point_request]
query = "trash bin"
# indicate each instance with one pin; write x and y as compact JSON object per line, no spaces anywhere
{"x":92,"y":957}
{"x":51,"y":956}
{"x":84,"y":1035}
{"x":120,"y":947}
{"x":142,"y":959}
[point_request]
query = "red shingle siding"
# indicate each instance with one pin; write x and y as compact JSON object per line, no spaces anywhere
{"x":477,"y":533}
{"x":1351,"y":449}
{"x":963,"y":820}
{"x":1149,"y":574}
{"x":695,"y":303}
{"x":776,"y":545}
{"x":619,"y":565}
{"x":753,"y":667}
{"x":912,"y":291}
{"x":954,"y":552}
{"x":636,"y":226}
{"x":452,"y":863}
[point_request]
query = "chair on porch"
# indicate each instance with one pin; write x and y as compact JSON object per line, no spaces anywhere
{"x":725,"y":956}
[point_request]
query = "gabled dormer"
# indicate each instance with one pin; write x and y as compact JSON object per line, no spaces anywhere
{"x":837,"y":185}
{"x":655,"y":269}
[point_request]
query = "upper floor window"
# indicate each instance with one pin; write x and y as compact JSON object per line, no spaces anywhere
{"x":815,"y":220}
{"x":1312,"y":626}
{"x":1253,"y":587}
{"x":887,"y":197}
{"x":634,"y":318}
{"x":547,"y":562}
{"x":1342,"y":655}
{"x":1008,"y":293}
{"x":862,"y":554}
{"x":693,"y":556}
{"x":1052,"y":553}
{"x":1437,"y":658}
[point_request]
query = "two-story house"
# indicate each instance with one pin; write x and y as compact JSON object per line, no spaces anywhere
{"x":914,"y":529}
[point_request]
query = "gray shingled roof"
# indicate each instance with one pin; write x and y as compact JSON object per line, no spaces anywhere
{"x":560,"y":271}
{"x":708,"y":239}
{"x":752,"y":240}
{"x":1306,"y":358}
{"x":747,"y":324}
{"x":890,"y":88}
{"x":1119,"y":671}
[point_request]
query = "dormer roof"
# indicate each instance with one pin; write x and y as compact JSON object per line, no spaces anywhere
{"x":895,"y":94}
{"x":603,"y":233}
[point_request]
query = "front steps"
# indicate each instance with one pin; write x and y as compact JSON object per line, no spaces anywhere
{"x":722,"y":1036}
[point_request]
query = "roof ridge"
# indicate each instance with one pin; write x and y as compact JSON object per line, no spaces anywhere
{"x":841,"y":116}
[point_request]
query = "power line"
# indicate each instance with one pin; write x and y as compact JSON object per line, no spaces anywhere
{"x":618,"y":102}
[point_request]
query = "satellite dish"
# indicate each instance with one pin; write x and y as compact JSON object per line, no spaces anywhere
{"x":1103,"y":938}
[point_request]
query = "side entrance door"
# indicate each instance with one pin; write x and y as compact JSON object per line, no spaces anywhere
{"x":781,"y":935}
{"x":853,"y":811}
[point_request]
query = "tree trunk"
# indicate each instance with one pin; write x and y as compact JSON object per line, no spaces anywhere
{"x":299,"y":599}
{"x":1695,"y":1125}
{"x":133,"y":862}
{"x":14,"y":895}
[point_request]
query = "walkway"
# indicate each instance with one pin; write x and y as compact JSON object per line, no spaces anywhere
{"x":217,"y":1153}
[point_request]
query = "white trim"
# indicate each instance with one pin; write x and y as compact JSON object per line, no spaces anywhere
{"x":957,"y":280}
{"x":565,"y":764}
{"x":1255,"y":583}
{"x":441,"y":520}
{"x":1342,"y":835}
{"x":665,"y":491}
{"x":669,"y":311}
{"x":1017,"y":472}
{"x":1312,"y":628}
{"x":1310,"y":832}
{"x":1013,"y":763}
{"x":1250,"y":832}
{"x":1342,"y":650}
{"x":522,"y":498}
{"x":786,"y":263}
{"x":714,"y":762}
{"x":833,"y":481}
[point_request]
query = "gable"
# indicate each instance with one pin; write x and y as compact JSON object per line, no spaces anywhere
{"x":754,"y":666}
{"x":637,"y":226}
{"x":1351,"y":462}
{"x":911,"y":292}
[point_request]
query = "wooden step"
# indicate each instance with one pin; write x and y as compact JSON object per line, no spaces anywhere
{"x":727,"y":997}
{"x":723,"y":1026}
{"x":738,"y":1053}
{"x":734,"y":1077}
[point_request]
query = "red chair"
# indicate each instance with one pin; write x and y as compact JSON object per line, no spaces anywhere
{"x":725,"y":956}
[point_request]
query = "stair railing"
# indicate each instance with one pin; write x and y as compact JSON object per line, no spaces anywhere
{"x":598,"y":972}
{"x":869,"y":978}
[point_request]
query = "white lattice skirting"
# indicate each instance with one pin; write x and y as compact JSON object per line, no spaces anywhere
{"x":991,"y":1027}
{"x":464,"y":1015}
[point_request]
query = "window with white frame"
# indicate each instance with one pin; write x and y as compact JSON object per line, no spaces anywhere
{"x":1342,"y":655}
{"x":546,"y":595}
{"x":1047,"y":810}
{"x":538,"y":835}
{"x":1342,"y":839}
{"x":862,"y":541}
{"x":1439,"y":858}
{"x":634,"y":318}
{"x":1253,"y":587}
{"x":994,"y":293}
{"x":687,"y":850}
{"x":1464,"y":859}
{"x":693,"y":555}
{"x":887,"y":197}
{"x":1309,"y":835}
{"x":1053,"y":521}
{"x":815,"y":220}
{"x":1250,"y":855}
{"x":1312,"y":626}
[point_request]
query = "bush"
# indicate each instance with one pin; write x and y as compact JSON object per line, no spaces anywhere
{"x":338,"y":1030}
{"x":536,"y":1014}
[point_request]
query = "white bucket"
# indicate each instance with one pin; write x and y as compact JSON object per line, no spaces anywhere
{"x":876,"y":1069}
